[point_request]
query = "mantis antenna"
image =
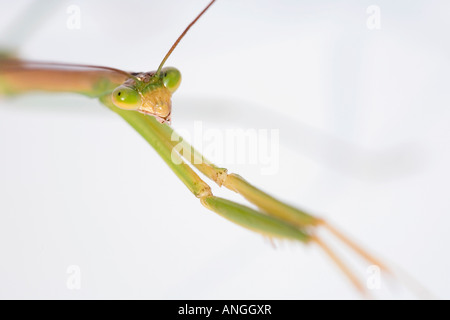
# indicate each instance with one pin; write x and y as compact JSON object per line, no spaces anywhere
{"x":181,"y":37}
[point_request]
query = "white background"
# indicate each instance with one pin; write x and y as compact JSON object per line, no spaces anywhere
{"x":364,"y":142}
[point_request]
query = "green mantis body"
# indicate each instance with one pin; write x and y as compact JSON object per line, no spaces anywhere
{"x":144,"y":101}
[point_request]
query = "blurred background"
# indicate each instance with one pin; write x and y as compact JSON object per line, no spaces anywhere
{"x":358,"y":91}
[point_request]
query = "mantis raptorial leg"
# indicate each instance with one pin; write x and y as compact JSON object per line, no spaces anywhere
{"x":150,"y":129}
{"x":263,"y":200}
{"x":276,"y":219}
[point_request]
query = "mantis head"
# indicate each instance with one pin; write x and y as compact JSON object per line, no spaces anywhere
{"x":149,"y":93}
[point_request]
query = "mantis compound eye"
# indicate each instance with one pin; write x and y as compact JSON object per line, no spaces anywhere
{"x":126,"y":98}
{"x":171,"y":78}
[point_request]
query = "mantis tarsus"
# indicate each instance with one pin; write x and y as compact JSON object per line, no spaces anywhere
{"x":150,"y":92}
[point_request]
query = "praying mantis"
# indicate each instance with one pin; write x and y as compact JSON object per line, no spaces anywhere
{"x":143,"y":100}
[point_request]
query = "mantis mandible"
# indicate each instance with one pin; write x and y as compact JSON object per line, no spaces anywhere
{"x":143,"y":99}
